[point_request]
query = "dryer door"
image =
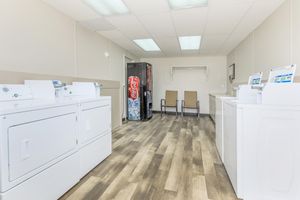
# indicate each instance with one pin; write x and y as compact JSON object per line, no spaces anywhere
{"x":95,"y":120}
{"x":34,"y":144}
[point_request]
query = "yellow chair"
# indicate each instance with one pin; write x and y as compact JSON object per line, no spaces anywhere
{"x":190,"y":102}
{"x":170,"y":101}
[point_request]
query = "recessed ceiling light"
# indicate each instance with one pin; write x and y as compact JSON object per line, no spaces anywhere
{"x":177,"y":4}
{"x":147,"y":44}
{"x":108,"y":7}
{"x":190,"y":42}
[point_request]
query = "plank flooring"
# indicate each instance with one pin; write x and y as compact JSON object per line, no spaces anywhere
{"x":164,"y":158}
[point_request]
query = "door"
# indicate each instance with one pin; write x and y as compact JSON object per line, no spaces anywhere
{"x":95,"y":120}
{"x":34,"y":144}
{"x":271,"y":143}
{"x":35,"y":140}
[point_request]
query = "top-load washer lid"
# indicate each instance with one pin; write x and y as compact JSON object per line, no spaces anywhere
{"x":41,"y":89}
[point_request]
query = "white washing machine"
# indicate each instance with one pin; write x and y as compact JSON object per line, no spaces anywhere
{"x":270,"y":144}
{"x":270,"y":152}
{"x":232,"y":148}
{"x":94,"y":117}
{"x":220,"y":123}
{"x":261,"y":144}
{"x":231,"y":151}
{"x":38,"y":145}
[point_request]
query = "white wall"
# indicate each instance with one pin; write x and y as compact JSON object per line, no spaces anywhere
{"x":214,"y":82}
{"x":36,"y":38}
{"x":276,"y":42}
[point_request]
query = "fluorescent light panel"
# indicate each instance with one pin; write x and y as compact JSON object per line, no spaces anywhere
{"x":178,"y":4}
{"x":108,"y":7}
{"x":147,"y":44}
{"x":190,"y":42}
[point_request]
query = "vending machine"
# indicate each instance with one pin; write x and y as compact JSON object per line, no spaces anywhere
{"x":139,"y":91}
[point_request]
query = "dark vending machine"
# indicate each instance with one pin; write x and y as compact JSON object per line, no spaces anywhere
{"x":139,"y":91}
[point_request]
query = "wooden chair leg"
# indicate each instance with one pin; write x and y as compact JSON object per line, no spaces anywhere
{"x":182,"y":111}
{"x":161,"y":111}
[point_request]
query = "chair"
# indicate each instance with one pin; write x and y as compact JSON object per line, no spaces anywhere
{"x":170,"y":101}
{"x":190,"y":102}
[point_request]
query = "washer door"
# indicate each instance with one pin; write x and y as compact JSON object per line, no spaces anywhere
{"x":272,"y":153}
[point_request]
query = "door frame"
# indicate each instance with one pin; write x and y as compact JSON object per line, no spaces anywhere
{"x":124,"y":89}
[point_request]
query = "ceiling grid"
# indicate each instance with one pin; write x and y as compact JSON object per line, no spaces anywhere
{"x":222,"y":24}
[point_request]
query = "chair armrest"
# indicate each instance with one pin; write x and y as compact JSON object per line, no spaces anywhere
{"x":162,"y":101}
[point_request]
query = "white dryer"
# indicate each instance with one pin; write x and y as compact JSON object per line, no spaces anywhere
{"x":38,"y":145}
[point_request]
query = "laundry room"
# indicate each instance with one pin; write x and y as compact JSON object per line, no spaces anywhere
{"x":140,"y":99}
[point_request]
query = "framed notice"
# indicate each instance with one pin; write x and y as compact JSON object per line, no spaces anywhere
{"x":231,"y":72}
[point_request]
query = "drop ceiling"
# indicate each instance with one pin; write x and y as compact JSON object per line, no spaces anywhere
{"x":223,"y":24}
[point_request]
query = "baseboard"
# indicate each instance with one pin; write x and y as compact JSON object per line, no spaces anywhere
{"x":125,"y":120}
{"x":185,"y":113}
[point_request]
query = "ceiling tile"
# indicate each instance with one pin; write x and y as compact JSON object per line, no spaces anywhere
{"x":99,"y":24}
{"x":208,"y":52}
{"x":190,"y":53}
{"x":221,"y":3}
{"x":190,"y":21}
{"x":147,"y":6}
{"x":169,"y":45}
{"x":254,"y":17}
{"x":222,"y":19}
{"x":129,"y":25}
{"x":164,"y":28}
{"x":210,"y":42}
{"x":128,"y":45}
{"x":73,"y":8}
{"x":113,"y":35}
{"x":223,"y":24}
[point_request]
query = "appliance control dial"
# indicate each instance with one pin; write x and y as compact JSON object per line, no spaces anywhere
{"x":5,"y":89}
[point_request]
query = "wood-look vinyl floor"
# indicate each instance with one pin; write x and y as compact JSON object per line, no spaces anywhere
{"x":164,"y":158}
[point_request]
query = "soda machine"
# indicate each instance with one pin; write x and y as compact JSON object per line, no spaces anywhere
{"x":139,"y":91}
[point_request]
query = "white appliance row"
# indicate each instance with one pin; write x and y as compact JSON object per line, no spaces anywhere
{"x":48,"y":144}
{"x":261,"y":141}
{"x":219,"y":123}
{"x":212,"y":105}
